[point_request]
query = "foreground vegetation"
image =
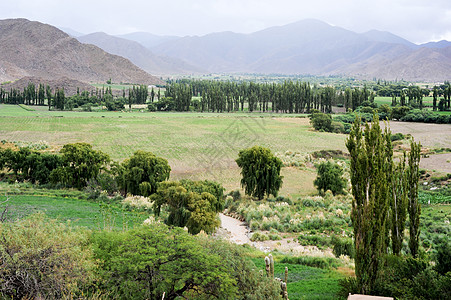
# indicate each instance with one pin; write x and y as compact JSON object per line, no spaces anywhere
{"x":198,"y":147}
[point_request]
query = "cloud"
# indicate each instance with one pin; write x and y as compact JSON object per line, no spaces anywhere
{"x":416,"y":20}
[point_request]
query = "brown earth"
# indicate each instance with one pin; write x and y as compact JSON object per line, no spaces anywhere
{"x":431,"y":136}
{"x":35,"y":49}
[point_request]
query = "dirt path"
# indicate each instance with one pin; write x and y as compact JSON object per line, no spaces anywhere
{"x":238,"y":233}
{"x":238,"y":230}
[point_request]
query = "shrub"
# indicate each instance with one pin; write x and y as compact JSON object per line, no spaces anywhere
{"x":443,"y":258}
{"x":311,"y":261}
{"x":151,"y":107}
{"x":44,"y":259}
{"x":397,"y":136}
{"x":321,"y":121}
{"x":330,"y":177}
{"x":257,"y":236}
{"x":398,"y":112}
{"x":137,"y":202}
{"x":343,"y":246}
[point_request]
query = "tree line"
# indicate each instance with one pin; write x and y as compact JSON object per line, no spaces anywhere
{"x":286,"y":97}
{"x":44,"y":95}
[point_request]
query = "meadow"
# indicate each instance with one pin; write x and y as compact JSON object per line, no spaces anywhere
{"x":204,"y":146}
{"x":197,"y":145}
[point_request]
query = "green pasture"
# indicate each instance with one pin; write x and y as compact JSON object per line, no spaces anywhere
{"x":427,"y":101}
{"x":79,"y":212}
{"x":305,"y":282}
{"x":197,"y":145}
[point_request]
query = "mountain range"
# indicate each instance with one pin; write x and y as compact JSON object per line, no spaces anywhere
{"x":306,"y":47}
{"x":29,"y":48}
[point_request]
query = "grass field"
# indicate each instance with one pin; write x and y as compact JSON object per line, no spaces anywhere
{"x":79,"y":212}
{"x":197,"y":145}
{"x":306,"y":282}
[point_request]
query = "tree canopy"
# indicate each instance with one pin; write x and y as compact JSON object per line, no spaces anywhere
{"x":142,"y":172}
{"x":80,"y":163}
{"x":260,"y":171}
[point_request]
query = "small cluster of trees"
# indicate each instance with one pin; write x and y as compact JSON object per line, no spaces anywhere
{"x":383,"y":191}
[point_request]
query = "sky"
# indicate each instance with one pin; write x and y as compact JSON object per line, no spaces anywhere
{"x":418,"y":21}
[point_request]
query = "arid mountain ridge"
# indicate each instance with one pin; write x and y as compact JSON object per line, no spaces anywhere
{"x":29,"y":48}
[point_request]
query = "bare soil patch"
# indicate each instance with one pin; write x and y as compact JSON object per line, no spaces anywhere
{"x":430,"y":135}
{"x":437,"y":162}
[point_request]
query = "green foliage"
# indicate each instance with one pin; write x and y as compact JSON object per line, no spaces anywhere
{"x":321,"y":121}
{"x":44,"y":259}
{"x":343,"y":246}
{"x":414,"y":207}
{"x":398,"y":202}
{"x":29,"y":165}
{"x":142,"y":172}
{"x":251,"y":284}
{"x":371,"y":167}
{"x":80,"y":163}
{"x":165,"y":104}
{"x":260,"y":171}
{"x":189,"y":204}
{"x":397,"y":136}
{"x":146,"y":262}
{"x":114,"y":104}
{"x":398,"y":112}
{"x":408,"y":278}
{"x":312,"y":261}
{"x":443,"y":257}
{"x":426,"y":116}
{"x":330,"y":177}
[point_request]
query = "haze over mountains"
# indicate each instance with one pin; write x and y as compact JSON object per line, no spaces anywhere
{"x":305,"y":47}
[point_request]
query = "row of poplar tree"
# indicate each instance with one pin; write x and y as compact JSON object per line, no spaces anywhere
{"x":57,"y":99}
{"x":286,"y":97}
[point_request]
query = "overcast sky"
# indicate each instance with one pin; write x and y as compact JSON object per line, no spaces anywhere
{"x":416,"y":20}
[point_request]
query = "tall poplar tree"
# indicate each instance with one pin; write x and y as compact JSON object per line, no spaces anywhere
{"x":414,"y":207}
{"x":398,"y":210}
{"x":371,"y":167}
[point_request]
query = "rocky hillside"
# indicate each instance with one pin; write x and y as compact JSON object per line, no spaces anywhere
{"x":30,"y":48}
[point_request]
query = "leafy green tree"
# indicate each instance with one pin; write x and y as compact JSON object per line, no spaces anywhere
{"x":155,"y":260}
{"x":260,"y":171}
{"x":371,"y":162}
{"x":80,"y":163}
{"x":142,"y":172}
{"x":195,"y":210}
{"x":330,"y":177}
{"x":321,"y":121}
{"x":250,"y":283}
